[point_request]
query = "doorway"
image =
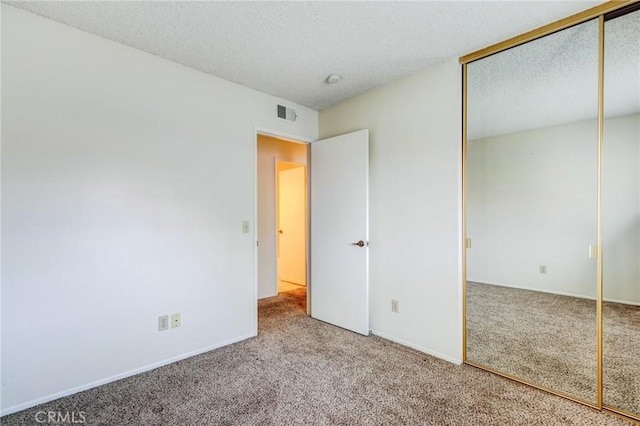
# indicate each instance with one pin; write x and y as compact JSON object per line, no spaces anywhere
{"x":282,"y":221}
{"x":291,"y":206}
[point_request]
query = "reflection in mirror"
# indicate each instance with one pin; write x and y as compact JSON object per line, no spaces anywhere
{"x":531,"y":200}
{"x":621,"y":214}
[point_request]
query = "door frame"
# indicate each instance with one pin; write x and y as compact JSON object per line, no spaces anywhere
{"x":287,"y":137}
{"x":277,"y":160}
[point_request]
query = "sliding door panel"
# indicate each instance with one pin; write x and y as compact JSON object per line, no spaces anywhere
{"x":531,"y":211}
{"x":621,"y":214}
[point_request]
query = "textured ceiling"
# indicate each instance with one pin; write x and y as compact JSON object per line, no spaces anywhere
{"x":287,"y":49}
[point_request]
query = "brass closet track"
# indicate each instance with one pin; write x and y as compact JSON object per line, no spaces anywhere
{"x":594,"y":12}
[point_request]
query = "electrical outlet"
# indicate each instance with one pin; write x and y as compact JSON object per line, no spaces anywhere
{"x":543,"y":269}
{"x":175,"y":320}
{"x":394,"y":306}
{"x":163,"y":322}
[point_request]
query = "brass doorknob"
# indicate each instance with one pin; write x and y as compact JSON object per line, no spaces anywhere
{"x":280,"y":231}
{"x":359,"y":244}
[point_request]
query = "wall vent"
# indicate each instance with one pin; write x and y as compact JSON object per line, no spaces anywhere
{"x":286,"y":113}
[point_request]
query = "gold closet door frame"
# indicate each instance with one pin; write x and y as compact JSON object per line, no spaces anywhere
{"x":586,"y":15}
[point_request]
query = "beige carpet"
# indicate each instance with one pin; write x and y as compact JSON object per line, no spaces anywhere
{"x":550,"y":340}
{"x":302,"y":371}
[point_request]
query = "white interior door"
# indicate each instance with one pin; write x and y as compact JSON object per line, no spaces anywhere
{"x":339,"y":221}
{"x":292,"y":226}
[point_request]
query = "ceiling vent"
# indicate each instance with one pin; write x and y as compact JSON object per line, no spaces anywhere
{"x":286,"y":113}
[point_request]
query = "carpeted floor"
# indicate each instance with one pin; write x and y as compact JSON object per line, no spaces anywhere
{"x":550,"y":340}
{"x":302,"y":371}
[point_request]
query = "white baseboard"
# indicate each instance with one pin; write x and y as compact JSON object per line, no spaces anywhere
{"x":417,"y":347}
{"x":559,"y":293}
{"x":67,"y":392}
{"x":622,"y":302}
{"x":268,"y":296}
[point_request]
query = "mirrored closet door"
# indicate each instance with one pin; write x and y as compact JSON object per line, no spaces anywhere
{"x":621,"y":214}
{"x":531,"y":201}
{"x":551,"y":196}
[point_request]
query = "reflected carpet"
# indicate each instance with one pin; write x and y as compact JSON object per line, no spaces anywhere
{"x":550,"y":340}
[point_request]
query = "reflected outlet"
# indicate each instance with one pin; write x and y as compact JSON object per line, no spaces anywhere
{"x":394,"y":306}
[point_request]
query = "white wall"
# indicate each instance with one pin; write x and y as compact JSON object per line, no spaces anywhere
{"x":125,"y":180}
{"x":532,"y":201}
{"x":270,"y":149}
{"x":415,"y":154}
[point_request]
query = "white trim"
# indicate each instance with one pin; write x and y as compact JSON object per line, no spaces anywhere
{"x":309,"y":236}
{"x":453,"y":360}
{"x":559,"y":293}
{"x":622,"y":302}
{"x":67,"y":392}
{"x":461,"y":326}
{"x":280,"y":135}
{"x":255,"y":229}
{"x":268,"y":296}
